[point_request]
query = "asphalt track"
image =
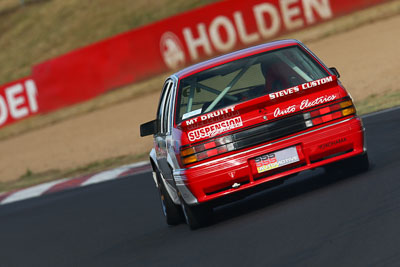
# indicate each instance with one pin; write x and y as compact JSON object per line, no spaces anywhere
{"x":314,"y":219}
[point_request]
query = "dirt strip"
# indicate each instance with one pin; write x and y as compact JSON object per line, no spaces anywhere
{"x":367,"y":57}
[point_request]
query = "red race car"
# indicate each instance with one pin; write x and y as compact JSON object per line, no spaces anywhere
{"x":245,"y":121}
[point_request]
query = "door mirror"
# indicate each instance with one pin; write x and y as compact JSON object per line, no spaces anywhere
{"x":149,"y":128}
{"x":335,"y":72}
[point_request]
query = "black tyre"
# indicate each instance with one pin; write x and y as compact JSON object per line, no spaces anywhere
{"x":197,"y":216}
{"x":357,"y":164}
{"x":172,"y":212}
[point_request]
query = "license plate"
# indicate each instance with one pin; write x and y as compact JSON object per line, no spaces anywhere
{"x":276,"y":159}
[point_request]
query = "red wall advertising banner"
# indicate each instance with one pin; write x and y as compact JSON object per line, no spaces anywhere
{"x":18,"y":100}
{"x":176,"y":42}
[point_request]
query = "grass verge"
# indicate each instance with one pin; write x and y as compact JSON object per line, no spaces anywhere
{"x":375,"y":103}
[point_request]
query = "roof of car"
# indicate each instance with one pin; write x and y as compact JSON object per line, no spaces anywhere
{"x":234,"y":56}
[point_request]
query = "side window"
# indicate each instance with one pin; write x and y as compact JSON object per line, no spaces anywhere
{"x":164,"y":106}
{"x":168,"y":111}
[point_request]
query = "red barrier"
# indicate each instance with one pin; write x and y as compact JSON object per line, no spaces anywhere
{"x":18,"y":100}
{"x":176,"y":42}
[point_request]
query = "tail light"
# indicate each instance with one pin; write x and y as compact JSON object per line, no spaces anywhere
{"x":329,"y":113}
{"x":210,"y":149}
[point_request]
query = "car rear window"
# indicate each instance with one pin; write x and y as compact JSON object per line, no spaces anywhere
{"x":245,"y":79}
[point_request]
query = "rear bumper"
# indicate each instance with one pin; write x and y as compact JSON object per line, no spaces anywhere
{"x":236,"y":172}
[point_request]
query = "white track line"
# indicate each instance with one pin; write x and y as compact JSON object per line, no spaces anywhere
{"x":38,"y":190}
{"x":135,"y":165}
{"x":30,"y":192}
{"x":112,"y":174}
{"x":105,"y":176}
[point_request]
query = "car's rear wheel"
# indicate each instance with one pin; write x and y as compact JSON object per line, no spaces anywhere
{"x":197,"y":216}
{"x":172,"y":212}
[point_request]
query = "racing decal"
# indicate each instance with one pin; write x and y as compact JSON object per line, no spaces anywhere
{"x":333,"y":143}
{"x":284,"y":92}
{"x":280,"y":112}
{"x":216,"y":114}
{"x":216,"y":128}
{"x":212,"y":117}
{"x":315,"y":83}
{"x":306,"y":103}
{"x":319,"y":100}
{"x":297,"y":88}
